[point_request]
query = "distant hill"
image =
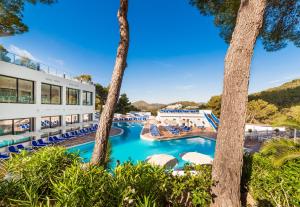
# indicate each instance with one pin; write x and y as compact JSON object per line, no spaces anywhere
{"x":187,"y":103}
{"x":144,"y":106}
{"x":284,"y":96}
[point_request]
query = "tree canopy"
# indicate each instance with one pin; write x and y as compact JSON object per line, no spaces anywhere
{"x":84,"y":77}
{"x":281,"y":23}
{"x":101,"y":95}
{"x":215,"y":105}
{"x":124,"y":105}
{"x":11,"y":16}
{"x":260,"y":111}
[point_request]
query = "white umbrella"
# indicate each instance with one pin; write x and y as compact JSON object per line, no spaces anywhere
{"x":162,"y":160}
{"x":197,"y":158}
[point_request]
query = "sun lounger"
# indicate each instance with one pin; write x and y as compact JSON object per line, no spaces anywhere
{"x":4,"y":156}
{"x":21,"y":147}
{"x":13,"y":149}
{"x":36,"y":144}
{"x":40,"y":141}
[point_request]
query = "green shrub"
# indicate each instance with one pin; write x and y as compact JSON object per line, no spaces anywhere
{"x":271,"y":185}
{"x":192,"y":189}
{"x":29,"y":176}
{"x":92,"y":186}
{"x":133,"y":182}
{"x":53,"y":177}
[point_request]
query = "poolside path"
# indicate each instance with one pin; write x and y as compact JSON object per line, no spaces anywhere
{"x":88,"y":138}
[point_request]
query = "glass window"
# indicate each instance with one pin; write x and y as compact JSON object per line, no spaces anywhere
{"x":87,"y":98}
{"x":87,"y":117}
{"x":16,"y":126}
{"x":8,"y":89}
{"x":6,"y":127}
{"x":14,"y":90}
{"x":46,"y":94}
{"x":45,"y":122}
{"x":72,"y":96}
{"x":50,"y":122}
{"x":55,"y":121}
{"x":75,"y":118}
{"x":51,"y":94}
{"x":68,"y":119}
{"x":55,"y":95}
{"x":25,"y":91}
{"x":21,"y":125}
{"x":71,"y":119}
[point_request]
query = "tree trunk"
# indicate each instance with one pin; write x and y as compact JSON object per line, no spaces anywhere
{"x":107,"y":114}
{"x":228,"y":160}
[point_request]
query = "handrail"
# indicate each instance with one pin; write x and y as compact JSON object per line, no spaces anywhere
{"x":210,"y":121}
{"x":215,"y":118}
{"x":34,"y":65}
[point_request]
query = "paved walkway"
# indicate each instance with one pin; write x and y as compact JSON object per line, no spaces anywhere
{"x":87,"y":138}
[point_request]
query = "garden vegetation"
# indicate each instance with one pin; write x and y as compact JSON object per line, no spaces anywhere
{"x":54,"y":177}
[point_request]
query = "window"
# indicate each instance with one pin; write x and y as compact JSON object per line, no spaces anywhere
{"x":87,"y":98}
{"x":55,"y":95}
{"x":87,"y":117}
{"x":22,"y":125}
{"x":46,"y":93}
{"x":6,"y":127}
{"x":16,"y":126}
{"x":72,"y":119}
{"x":72,"y":96}
{"x":51,"y":94}
{"x":14,"y":90}
{"x":25,"y":91}
{"x":50,"y":122}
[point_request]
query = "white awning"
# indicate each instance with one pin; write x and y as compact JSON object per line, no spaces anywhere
{"x":162,"y":160}
{"x":197,"y":158}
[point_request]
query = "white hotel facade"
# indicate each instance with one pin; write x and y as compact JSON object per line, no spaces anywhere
{"x":32,"y":100}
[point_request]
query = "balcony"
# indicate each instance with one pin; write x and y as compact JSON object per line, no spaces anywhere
{"x":34,"y":65}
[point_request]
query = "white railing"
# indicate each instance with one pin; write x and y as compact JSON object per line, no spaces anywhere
{"x":34,"y":65}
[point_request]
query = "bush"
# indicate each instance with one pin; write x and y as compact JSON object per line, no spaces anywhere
{"x":84,"y":187}
{"x":28,"y":176}
{"x":271,"y":185}
{"x":54,"y":177}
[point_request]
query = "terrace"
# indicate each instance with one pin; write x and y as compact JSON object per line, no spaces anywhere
{"x":34,"y":65}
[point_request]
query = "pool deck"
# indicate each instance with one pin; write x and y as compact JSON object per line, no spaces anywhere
{"x":251,"y":145}
{"x":88,"y":138}
{"x":166,"y":135}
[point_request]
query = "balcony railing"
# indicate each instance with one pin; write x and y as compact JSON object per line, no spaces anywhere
{"x":34,"y":65}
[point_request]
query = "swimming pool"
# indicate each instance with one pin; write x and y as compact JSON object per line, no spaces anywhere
{"x":129,"y":146}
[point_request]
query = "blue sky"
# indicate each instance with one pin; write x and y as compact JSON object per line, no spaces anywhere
{"x":175,"y":53}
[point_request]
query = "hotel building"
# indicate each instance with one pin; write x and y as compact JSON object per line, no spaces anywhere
{"x":197,"y":118}
{"x":36,"y":103}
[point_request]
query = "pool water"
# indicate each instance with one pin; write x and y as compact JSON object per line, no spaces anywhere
{"x":129,"y":146}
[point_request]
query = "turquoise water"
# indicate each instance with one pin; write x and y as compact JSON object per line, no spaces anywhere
{"x":129,"y":146}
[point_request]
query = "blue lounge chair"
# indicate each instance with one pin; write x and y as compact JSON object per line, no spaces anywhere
{"x":67,"y":135}
{"x":40,"y":141}
{"x":4,"y":156}
{"x":13,"y":149}
{"x":53,"y":141}
{"x":36,"y":144}
{"x":21,"y":147}
{"x":59,"y":139}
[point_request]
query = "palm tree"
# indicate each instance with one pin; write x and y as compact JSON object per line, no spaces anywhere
{"x":230,"y":139}
{"x":107,"y":114}
{"x":281,"y":150}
